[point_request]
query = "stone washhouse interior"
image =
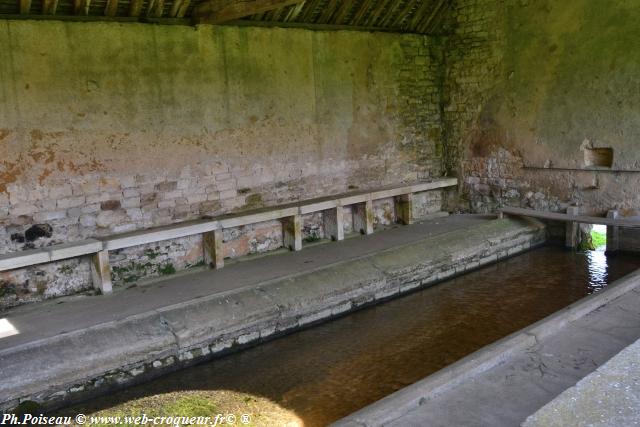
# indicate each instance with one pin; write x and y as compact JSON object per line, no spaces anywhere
{"x":306,"y":213}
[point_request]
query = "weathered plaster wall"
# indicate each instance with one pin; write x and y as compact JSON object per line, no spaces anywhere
{"x":527,"y":83}
{"x":106,"y":128}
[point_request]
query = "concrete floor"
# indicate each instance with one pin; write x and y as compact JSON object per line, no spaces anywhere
{"x":528,"y":370}
{"x":42,"y":320}
{"x":608,"y":397}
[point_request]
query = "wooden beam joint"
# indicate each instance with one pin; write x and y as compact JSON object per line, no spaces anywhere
{"x":217,"y":12}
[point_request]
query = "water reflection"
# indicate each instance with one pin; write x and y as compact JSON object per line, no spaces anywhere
{"x":329,"y":371}
{"x":598,"y":270}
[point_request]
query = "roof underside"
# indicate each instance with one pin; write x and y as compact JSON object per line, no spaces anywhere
{"x":406,"y":16}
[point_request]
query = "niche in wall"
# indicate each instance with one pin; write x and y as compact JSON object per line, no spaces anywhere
{"x":598,"y":157}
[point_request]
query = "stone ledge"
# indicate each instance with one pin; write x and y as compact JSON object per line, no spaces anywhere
{"x":85,"y":363}
{"x":54,"y":253}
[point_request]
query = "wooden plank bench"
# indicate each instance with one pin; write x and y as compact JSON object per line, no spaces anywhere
{"x":211,"y":229}
{"x":572,"y":217}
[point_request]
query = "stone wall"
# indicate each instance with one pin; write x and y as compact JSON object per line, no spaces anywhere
{"x":108,"y":128}
{"x":531,"y":87}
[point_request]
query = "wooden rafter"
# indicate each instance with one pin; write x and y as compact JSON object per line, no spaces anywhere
{"x":25,"y":7}
{"x":420,"y":13}
{"x":216,"y":12}
{"x":81,"y":7}
{"x":343,"y":12}
{"x":376,"y":12}
{"x":155,"y":8}
{"x":111,"y":9}
{"x":179,"y":8}
{"x":135,"y":8}
{"x":49,"y":7}
{"x":328,"y":12}
{"x":404,"y":16}
{"x":437,"y":12}
{"x":361,"y":12}
{"x":309,"y":10}
{"x":294,"y":12}
{"x":406,"y":11}
{"x":388,"y":18}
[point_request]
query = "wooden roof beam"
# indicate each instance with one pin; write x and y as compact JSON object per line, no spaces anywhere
{"x":111,"y":9}
{"x":49,"y":7}
{"x":217,"y":12}
{"x":135,"y":8}
{"x":179,"y":8}
{"x":81,"y":7}
{"x":406,"y":11}
{"x":25,"y":7}
{"x":425,"y":26}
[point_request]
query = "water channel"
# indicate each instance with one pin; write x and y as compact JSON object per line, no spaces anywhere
{"x":326,"y":372}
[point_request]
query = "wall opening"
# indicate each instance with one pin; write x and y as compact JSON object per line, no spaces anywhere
{"x":599,"y":237}
{"x":598,"y":157}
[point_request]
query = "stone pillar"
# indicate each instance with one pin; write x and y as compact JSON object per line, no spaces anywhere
{"x":572,"y":229}
{"x":613,"y":232}
{"x":363,"y":217}
{"x":101,"y":272}
{"x":213,"y":249}
{"x":292,"y":232}
{"x":404,"y":208}
{"x":334,"y":223}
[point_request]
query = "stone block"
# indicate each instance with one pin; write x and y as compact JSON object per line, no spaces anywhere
{"x":167,"y":186}
{"x":49,"y":216}
{"x":61,"y":191}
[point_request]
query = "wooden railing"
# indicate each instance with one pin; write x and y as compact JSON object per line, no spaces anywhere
{"x":211,"y":229}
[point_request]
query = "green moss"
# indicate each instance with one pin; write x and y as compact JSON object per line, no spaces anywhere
{"x":151,"y":254}
{"x":66,"y":269}
{"x":191,"y":406}
{"x":27,"y":407}
{"x":7,"y":289}
{"x":200,"y":263}
{"x":254,"y":201}
{"x":167,"y":269}
{"x":313,"y":237}
{"x":586,"y":243}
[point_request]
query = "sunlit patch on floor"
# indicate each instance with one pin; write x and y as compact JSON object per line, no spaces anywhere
{"x":7,"y":329}
{"x":223,"y":407}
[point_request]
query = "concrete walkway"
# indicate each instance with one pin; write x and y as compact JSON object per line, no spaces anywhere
{"x":503,"y":384}
{"x":51,"y":318}
{"x":608,"y":397}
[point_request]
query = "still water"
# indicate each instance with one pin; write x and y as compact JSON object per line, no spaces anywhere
{"x":329,"y":371}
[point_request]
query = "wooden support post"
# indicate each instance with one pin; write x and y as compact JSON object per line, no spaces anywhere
{"x":363,"y":217}
{"x":101,"y":272}
{"x":613,"y":232}
{"x":404,"y":208}
{"x":292,"y":232}
{"x":500,"y":215}
{"x":572,"y":228}
{"x":334,"y":223}
{"x":213,"y":249}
